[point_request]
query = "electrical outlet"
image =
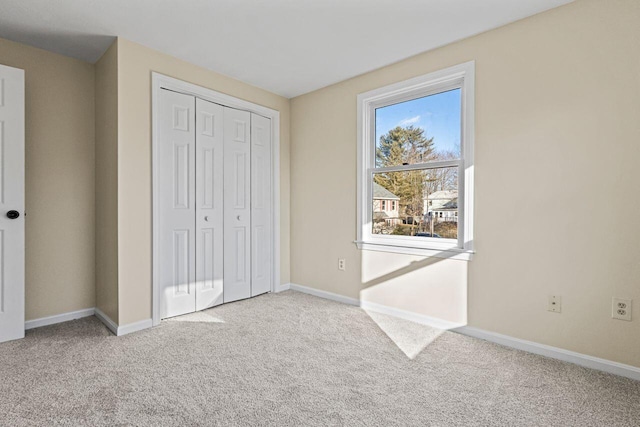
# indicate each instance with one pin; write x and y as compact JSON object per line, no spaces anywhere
{"x":555,"y":304}
{"x":621,"y":309}
{"x":342,"y":264}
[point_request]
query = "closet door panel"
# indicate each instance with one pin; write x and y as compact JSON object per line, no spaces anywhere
{"x":261,"y":220}
{"x":237,"y":204}
{"x":209,"y":204}
{"x":176,"y":202}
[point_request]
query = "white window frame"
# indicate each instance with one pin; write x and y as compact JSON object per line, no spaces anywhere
{"x":457,"y":77}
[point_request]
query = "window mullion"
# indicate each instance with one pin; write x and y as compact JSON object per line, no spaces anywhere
{"x":418,"y":166}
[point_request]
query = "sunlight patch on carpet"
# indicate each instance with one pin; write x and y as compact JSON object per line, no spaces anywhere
{"x":410,"y":337}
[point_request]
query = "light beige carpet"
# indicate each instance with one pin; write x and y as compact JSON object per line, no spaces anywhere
{"x":295,"y":360}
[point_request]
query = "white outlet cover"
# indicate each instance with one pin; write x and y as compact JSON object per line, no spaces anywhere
{"x":621,"y":309}
{"x":555,"y":304}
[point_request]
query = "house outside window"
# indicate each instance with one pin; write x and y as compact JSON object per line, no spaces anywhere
{"x":415,"y":158}
{"x":443,"y":201}
{"x":385,"y":215}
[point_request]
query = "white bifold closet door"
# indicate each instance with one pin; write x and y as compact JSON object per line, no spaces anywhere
{"x":214,"y":202}
{"x":247,"y":205}
{"x":209,"y":204}
{"x":190,"y":204}
{"x":261,"y":210}
{"x":176,"y":203}
{"x":237,"y":204}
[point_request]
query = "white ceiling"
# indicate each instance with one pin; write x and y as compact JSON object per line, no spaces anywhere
{"x":289,"y":47}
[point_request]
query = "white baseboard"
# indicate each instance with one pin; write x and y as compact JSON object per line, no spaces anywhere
{"x":379,"y":308}
{"x":124,"y":329}
{"x":519,"y":344}
{"x":554,"y":352}
{"x":324,"y":294}
{"x":408,"y":315}
{"x":283,"y":287}
{"x":134,"y":327}
{"x":58,"y":318}
{"x":110,"y":324}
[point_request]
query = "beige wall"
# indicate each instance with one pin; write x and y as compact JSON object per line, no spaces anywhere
{"x":135,"y":64}
{"x":59,"y":179}
{"x":557,"y":107}
{"x":106,"y":188}
{"x":430,"y":286}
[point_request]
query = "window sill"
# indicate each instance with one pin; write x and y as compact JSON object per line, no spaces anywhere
{"x":450,"y":253}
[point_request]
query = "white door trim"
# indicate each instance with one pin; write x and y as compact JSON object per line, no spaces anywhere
{"x":160,"y":81}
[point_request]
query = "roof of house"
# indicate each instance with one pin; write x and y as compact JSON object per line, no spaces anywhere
{"x":443,"y":194}
{"x":451,"y":205}
{"x":378,"y":215}
{"x":379,"y":192}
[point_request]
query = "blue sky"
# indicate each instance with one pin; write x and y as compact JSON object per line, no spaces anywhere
{"x":438,"y":115}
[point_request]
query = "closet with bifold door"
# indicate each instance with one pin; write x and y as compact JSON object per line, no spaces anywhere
{"x":214,"y":204}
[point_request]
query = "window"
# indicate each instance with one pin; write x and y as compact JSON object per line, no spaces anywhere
{"x":384,"y":205}
{"x":415,"y":144}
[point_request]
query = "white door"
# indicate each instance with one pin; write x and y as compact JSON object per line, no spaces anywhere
{"x":11,"y":203}
{"x":261,"y":244}
{"x":237,"y":204}
{"x":209,"y":212}
{"x":176,"y":203}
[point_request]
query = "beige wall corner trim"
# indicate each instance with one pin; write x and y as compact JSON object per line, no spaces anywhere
{"x":159,"y":82}
{"x":554,"y":352}
{"x":110,"y":324}
{"x":124,"y":329}
{"x":134,"y":327}
{"x":282,"y":287}
{"x":59,"y":318}
{"x":410,"y":316}
{"x":324,"y":294}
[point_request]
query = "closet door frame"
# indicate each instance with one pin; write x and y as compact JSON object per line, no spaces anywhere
{"x":159,"y":82}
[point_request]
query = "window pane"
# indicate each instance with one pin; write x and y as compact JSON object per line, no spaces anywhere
{"x":425,"y":202}
{"x":417,"y":131}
